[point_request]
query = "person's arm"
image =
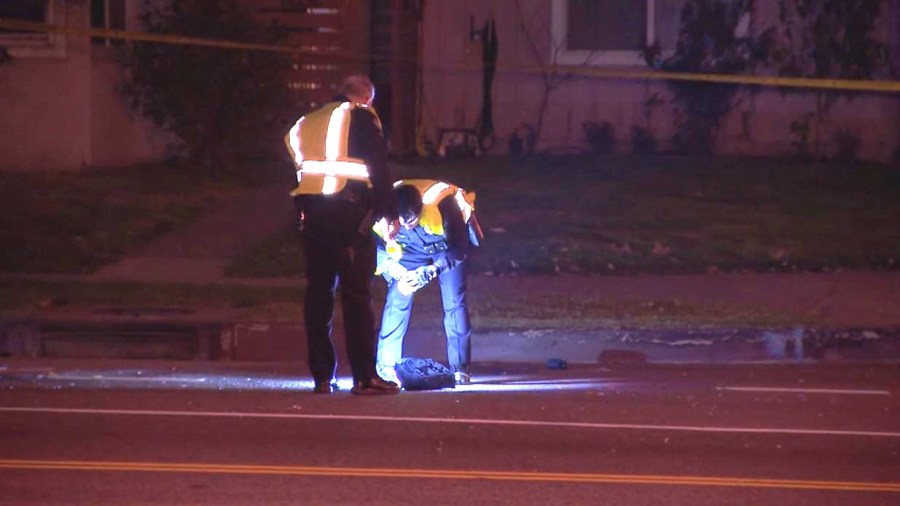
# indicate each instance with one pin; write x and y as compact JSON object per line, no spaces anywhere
{"x":368,"y":144}
{"x":457,"y":236}
{"x":386,"y":264}
{"x":383,"y":261}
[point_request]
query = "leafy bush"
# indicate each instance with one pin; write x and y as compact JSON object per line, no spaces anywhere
{"x":218,"y":101}
{"x":642,"y":140}
{"x":828,"y":39}
{"x":709,"y":42}
{"x":846,"y":146}
{"x":801,"y":129}
{"x":600,"y":136}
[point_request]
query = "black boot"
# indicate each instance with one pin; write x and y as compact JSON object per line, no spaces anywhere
{"x":325,"y":387}
{"x":375,"y":386}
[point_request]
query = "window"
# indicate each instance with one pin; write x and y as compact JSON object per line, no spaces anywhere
{"x":602,"y":32}
{"x":34,"y":11}
{"x":109,"y":15}
{"x":26,"y":43}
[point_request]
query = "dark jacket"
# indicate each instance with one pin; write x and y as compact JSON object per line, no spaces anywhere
{"x":346,"y":216}
{"x":419,"y":247}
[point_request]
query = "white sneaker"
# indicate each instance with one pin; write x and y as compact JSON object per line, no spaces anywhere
{"x":462,"y":378}
{"x":387,"y":373}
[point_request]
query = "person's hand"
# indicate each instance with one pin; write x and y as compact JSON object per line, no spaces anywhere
{"x":393,"y":229}
{"x":406,"y":286}
{"x":424,"y":274}
{"x":301,"y":219}
{"x":415,"y":280}
{"x":396,"y":271}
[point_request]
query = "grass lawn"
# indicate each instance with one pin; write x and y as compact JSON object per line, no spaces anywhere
{"x":22,"y":298}
{"x":660,"y":214}
{"x":599,"y":215}
{"x":607,"y":215}
{"x":75,"y":222}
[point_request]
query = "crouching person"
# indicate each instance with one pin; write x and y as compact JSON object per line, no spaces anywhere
{"x":438,"y":229}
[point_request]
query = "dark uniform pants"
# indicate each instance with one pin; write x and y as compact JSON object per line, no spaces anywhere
{"x":327,"y":265}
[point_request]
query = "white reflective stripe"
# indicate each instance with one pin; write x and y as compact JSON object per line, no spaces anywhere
{"x":381,"y":227}
{"x":294,"y":138}
{"x":432,"y":193}
{"x":299,"y":175}
{"x":335,"y":168}
{"x":329,"y":185}
{"x":334,"y":140}
{"x":398,"y":183}
{"x":464,"y":205}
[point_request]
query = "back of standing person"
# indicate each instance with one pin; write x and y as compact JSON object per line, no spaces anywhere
{"x":343,"y":186}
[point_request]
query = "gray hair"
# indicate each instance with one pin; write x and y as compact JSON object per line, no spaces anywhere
{"x":358,"y":88}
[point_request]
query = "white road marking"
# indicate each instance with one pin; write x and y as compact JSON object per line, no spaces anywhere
{"x":75,"y":377}
{"x":839,"y":391}
{"x":457,"y":421}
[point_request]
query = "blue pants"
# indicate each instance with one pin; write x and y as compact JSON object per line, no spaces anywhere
{"x":397,"y":310}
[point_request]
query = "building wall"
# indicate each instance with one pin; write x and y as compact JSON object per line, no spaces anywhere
{"x":333,"y":39}
{"x":453,"y":76}
{"x":119,"y":136}
{"x":759,"y":126}
{"x":871,"y":115}
{"x":60,"y":108}
{"x":43,"y":103}
{"x":893,"y":27}
{"x":402,"y":59}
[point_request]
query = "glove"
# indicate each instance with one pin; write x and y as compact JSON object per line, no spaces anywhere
{"x":395,"y":270}
{"x":422,"y":275}
{"x":413,"y":281}
{"x":405,"y":286}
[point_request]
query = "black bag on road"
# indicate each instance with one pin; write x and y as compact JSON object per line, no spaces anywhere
{"x":424,"y":374}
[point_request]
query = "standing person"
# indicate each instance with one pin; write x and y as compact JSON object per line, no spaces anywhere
{"x":434,"y":242}
{"x":343,"y":185}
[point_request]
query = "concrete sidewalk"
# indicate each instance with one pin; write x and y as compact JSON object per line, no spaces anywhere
{"x":859,"y":311}
{"x":200,"y":253}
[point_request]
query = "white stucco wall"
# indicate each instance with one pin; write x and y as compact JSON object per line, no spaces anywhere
{"x":761,"y":126}
{"x":119,"y":135}
{"x":60,"y":109}
{"x":43,"y":113}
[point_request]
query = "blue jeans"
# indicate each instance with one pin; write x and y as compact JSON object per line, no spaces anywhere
{"x":457,"y":328}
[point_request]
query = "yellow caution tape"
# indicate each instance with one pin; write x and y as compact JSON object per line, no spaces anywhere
{"x":800,"y":82}
{"x":796,"y":82}
{"x":17,"y":24}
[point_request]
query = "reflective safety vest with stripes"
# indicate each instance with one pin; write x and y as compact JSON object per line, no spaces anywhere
{"x":433,"y":192}
{"x":318,"y":144}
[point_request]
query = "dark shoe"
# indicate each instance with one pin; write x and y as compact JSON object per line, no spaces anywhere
{"x":325,"y":387}
{"x":375,"y":386}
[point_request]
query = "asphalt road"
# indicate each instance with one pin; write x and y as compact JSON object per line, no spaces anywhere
{"x":108,"y":433}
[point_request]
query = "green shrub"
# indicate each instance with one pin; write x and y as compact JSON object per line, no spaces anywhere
{"x":642,"y":140}
{"x":846,"y":146}
{"x":601,"y":137}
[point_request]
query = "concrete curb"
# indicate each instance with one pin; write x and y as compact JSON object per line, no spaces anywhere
{"x":205,"y":337}
{"x":711,"y":346}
